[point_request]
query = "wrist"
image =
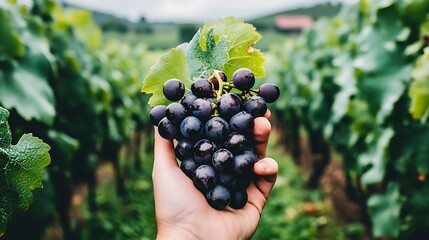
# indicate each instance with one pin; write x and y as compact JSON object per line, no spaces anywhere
{"x":170,"y":232}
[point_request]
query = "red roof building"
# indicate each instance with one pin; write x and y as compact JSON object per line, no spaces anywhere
{"x":292,"y":23}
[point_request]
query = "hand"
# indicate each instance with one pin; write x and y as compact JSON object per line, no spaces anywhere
{"x":181,"y":210}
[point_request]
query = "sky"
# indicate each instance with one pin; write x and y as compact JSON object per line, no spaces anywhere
{"x":193,"y":10}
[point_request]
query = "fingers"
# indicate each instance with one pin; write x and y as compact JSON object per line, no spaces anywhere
{"x":261,"y":133}
{"x":267,"y":169}
{"x":164,"y":153}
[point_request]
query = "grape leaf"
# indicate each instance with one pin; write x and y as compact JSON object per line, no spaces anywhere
{"x":171,"y":65}
{"x":419,"y":90}
{"x":226,"y":45}
{"x":21,"y":169}
{"x":242,"y":36}
{"x":202,"y":62}
{"x":376,"y":157}
{"x":384,"y":210}
{"x":24,"y":84}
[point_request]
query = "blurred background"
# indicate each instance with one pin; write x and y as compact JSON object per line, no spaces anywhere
{"x":350,"y":130}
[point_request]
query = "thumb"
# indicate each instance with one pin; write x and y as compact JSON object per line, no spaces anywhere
{"x":164,"y":153}
{"x":267,"y":169}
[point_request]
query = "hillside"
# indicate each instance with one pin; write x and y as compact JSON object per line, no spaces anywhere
{"x":316,"y":11}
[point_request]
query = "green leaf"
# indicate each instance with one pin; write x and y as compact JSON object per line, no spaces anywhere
{"x":384,"y":210}
{"x":381,"y":64}
{"x":21,"y":168}
{"x":419,"y":90}
{"x":225,"y":44}
{"x":171,"y":65}
{"x":242,"y":37}
{"x":376,"y":157}
{"x":202,"y":62}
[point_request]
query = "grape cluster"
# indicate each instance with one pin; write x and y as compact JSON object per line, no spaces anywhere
{"x":213,"y":126}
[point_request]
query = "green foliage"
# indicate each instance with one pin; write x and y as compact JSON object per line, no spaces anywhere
{"x":21,"y":169}
{"x":225,"y":44}
{"x":77,"y":92}
{"x":356,"y":78}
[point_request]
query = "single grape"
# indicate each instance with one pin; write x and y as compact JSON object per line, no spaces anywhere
{"x":202,"y":109}
{"x":233,"y":181}
{"x":191,"y":127}
{"x":188,"y":100}
{"x":229,"y":105}
{"x":218,"y":198}
{"x":256,"y":106}
{"x":156,"y":114}
{"x":238,"y":199}
{"x":223,"y":76}
{"x":185,"y":147}
{"x":243,"y":163}
{"x":269,"y":92}
{"x":168,"y":129}
{"x":175,"y":112}
{"x":174,"y":89}
{"x":243,"y":79}
{"x":202,"y":88}
{"x":216,"y":129}
{"x":236,"y":143}
{"x":227,"y":179}
{"x":205,"y":178}
{"x":188,"y":166}
{"x":203,"y":151}
{"x":222,"y":159}
{"x":242,"y":122}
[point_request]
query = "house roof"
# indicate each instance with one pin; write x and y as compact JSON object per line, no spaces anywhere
{"x":293,"y":22}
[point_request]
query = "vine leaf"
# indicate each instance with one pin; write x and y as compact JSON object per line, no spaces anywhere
{"x":21,"y":169}
{"x":419,"y":90}
{"x":242,"y":37}
{"x":202,"y":61}
{"x":171,"y":65}
{"x":225,"y":45}
{"x":384,"y":210}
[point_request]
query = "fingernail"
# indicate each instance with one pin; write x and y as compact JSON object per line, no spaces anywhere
{"x":263,"y":165}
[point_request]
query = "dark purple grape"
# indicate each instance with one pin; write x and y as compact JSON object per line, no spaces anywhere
{"x":175,"y":112}
{"x":256,"y":106}
{"x":236,"y":143}
{"x":216,"y":129}
{"x":188,"y":166}
{"x":185,"y":147}
{"x":238,"y":199}
{"x":243,"y":79}
{"x":188,"y":100}
{"x":223,"y":76}
{"x":174,"y":89}
{"x":229,"y":105}
{"x":269,"y":92}
{"x":156,"y":114}
{"x":218,"y":198}
{"x":227,"y":179}
{"x":203,"y":151}
{"x":205,"y":178}
{"x":202,"y":109}
{"x":202,"y":88}
{"x":191,"y":127}
{"x":243,"y":163}
{"x":215,"y":83}
{"x":168,"y":129}
{"x":222,"y":159}
{"x":242,"y":122}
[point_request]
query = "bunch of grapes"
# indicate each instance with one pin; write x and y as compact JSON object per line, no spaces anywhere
{"x":213,"y":126}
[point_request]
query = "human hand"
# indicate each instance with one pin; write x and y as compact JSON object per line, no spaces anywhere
{"x":182,"y":212}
